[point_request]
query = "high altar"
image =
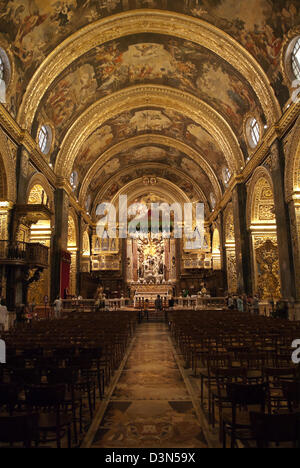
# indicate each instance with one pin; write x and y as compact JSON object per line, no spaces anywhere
{"x":151,"y":268}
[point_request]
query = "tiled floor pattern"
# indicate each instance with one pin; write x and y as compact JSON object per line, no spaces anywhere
{"x":151,"y":406}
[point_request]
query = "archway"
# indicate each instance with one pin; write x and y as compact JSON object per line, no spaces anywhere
{"x":262,"y":225}
{"x":37,"y":228}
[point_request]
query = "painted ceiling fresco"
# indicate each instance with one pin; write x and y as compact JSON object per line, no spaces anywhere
{"x":167,"y":174}
{"x":156,"y":155}
{"x":36,"y":27}
{"x":149,"y":120}
{"x":147,"y":59}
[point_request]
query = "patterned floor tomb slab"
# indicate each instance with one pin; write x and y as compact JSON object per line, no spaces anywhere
{"x":150,"y":406}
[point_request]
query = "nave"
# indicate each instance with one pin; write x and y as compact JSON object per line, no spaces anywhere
{"x":198,"y":379}
{"x":151,"y":404}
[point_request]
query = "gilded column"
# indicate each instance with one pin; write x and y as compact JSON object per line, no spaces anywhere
{"x":242,"y":240}
{"x":59,"y":238}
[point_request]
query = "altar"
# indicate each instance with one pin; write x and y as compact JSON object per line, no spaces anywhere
{"x":143,"y":292}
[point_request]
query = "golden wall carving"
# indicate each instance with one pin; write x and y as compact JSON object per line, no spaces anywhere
{"x":230,"y":249}
{"x":267,"y":266}
{"x":260,"y":200}
{"x":3,"y":226}
{"x":231,"y":271}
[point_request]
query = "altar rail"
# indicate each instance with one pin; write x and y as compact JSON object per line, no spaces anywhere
{"x":201,"y":302}
{"x":88,"y":305}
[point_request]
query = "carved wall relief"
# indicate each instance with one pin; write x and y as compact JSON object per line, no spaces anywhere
{"x":267,"y":266}
{"x":231,"y":271}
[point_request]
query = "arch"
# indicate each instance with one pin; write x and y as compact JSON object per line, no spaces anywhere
{"x":150,"y":21}
{"x":260,"y":200}
{"x":261,"y":221}
{"x":39,"y":192}
{"x":141,"y":140}
{"x":39,"y":179}
{"x":163,"y":188}
{"x":154,"y":167}
{"x":8,"y":164}
{"x":137,"y":96}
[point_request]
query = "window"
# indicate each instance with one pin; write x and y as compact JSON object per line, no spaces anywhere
{"x":226,"y":175}
{"x":43,"y":138}
{"x":254,"y":132}
{"x":296,"y":59}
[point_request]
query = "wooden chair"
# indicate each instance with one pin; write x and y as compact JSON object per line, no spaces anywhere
{"x":278,"y":429}
{"x":236,"y":422}
{"x":48,"y":401}
{"x":19,"y":428}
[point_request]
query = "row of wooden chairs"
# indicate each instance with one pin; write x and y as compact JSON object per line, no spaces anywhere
{"x":228,"y":348}
{"x":54,"y":367}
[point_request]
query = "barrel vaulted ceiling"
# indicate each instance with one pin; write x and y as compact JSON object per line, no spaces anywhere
{"x":137,"y":88}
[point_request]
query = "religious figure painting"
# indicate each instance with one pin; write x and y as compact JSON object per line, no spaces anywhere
{"x":157,"y":121}
{"x":144,"y":59}
{"x":36,"y":27}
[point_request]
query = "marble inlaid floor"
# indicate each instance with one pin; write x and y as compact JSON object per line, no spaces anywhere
{"x":150,"y":406}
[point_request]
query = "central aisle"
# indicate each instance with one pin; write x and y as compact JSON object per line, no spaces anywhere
{"x":150,"y":405}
